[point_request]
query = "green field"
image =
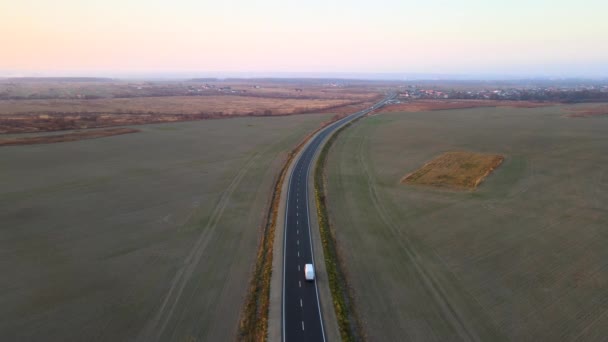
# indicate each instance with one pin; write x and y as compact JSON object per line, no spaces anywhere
{"x":147,"y":236}
{"x":521,"y":258}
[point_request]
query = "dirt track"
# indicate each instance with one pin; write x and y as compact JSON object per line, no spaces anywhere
{"x":73,"y":136}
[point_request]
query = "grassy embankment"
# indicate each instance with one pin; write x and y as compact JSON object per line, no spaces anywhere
{"x":348,"y":322}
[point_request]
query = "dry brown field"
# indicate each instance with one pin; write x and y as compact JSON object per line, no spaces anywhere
{"x":23,"y":116}
{"x":458,"y":170}
{"x":224,"y":104}
{"x":430,"y":105}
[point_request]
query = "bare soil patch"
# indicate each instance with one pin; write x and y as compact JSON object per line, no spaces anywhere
{"x":74,"y":136}
{"x":430,"y":105}
{"x":457,"y":170}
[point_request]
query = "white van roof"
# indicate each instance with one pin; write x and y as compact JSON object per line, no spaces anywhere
{"x":309,"y":272}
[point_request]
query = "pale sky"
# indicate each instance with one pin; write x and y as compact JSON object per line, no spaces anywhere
{"x":568,"y":38}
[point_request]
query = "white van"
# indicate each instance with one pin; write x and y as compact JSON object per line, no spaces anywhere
{"x":309,"y":272}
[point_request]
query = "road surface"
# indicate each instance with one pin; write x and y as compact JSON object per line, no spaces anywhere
{"x":301,"y":312}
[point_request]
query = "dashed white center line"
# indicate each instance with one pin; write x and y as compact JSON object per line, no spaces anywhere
{"x":300,"y":282}
{"x":301,"y":305}
{"x":298,"y":267}
{"x":298,"y":242}
{"x":298,"y":254}
{"x":302,"y":325}
{"x":298,"y":231}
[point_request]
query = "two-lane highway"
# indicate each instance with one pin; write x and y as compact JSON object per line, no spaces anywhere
{"x":301,"y":312}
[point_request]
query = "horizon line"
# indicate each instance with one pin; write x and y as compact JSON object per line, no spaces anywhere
{"x":338,"y":75}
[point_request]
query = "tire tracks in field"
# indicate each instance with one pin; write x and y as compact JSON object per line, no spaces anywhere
{"x":231,"y":277}
{"x":586,"y":329}
{"x":450,"y":312}
{"x":156,"y":326}
{"x":598,"y":189}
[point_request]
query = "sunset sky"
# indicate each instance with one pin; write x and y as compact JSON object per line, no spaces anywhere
{"x":516,"y":37}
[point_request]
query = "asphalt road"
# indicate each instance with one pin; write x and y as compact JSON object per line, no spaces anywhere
{"x":301,"y":312}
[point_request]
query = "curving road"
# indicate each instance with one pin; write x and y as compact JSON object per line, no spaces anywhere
{"x":301,"y":312}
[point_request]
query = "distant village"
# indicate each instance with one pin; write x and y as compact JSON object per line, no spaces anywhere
{"x":413,"y":92}
{"x":554,"y":92}
{"x":562,"y":94}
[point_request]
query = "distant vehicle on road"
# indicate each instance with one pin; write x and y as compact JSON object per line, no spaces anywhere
{"x":309,"y":272}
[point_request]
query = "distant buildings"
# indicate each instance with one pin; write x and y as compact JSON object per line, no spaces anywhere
{"x":560,"y":94}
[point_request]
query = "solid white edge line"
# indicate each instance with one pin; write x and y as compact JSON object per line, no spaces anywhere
{"x":285,"y":242}
{"x":311,"y":250}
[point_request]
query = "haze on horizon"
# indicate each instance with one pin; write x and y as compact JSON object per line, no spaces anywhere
{"x":534,"y":37}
